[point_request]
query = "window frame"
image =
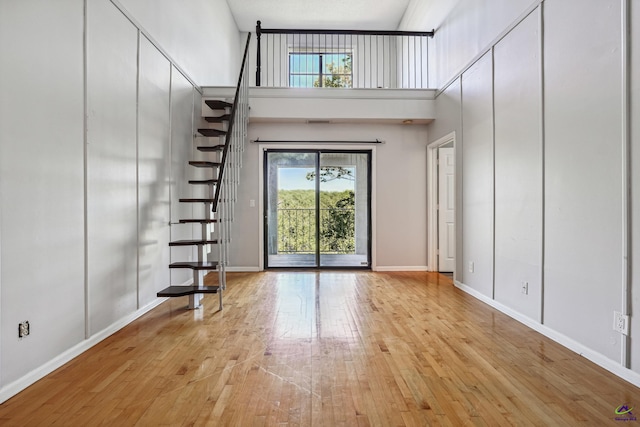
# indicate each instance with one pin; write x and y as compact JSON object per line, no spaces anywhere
{"x":319,"y":56}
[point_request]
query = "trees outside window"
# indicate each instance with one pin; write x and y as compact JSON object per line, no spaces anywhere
{"x":320,"y":69}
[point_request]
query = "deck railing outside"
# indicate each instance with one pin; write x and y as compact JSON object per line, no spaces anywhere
{"x":342,"y":58}
{"x":297,"y":231}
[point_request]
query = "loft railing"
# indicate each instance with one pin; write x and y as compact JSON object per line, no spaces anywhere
{"x":342,"y":58}
{"x":226,"y":192}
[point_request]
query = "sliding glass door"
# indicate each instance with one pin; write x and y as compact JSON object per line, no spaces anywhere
{"x":317,"y":208}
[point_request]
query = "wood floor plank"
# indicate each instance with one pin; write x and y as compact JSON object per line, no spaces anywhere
{"x":323,"y":349}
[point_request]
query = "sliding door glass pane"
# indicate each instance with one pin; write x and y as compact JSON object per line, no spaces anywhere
{"x":291,"y":209}
{"x":344,"y":209}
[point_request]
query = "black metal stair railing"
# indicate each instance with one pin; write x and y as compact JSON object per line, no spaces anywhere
{"x":226,"y":192}
{"x":342,"y":58}
{"x":221,"y":193}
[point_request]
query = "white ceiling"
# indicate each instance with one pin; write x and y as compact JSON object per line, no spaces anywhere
{"x":319,"y":14}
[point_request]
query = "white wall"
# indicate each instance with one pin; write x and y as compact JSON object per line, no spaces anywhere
{"x":635,"y":178}
{"x":424,"y":15}
{"x":400,"y":225}
{"x":468,"y":29}
{"x":77,"y":285}
{"x":518,"y":169}
{"x":477,"y":177}
{"x":200,"y":35}
{"x":542,"y":149}
{"x":41,"y":182}
{"x":154,"y":170}
{"x":340,"y":105}
{"x":583,"y":180}
{"x":111,"y":165}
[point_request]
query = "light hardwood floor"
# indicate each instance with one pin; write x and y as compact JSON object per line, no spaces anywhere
{"x":326,"y":349}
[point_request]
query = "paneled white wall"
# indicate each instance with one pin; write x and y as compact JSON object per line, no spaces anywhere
{"x":583,"y":180}
{"x":518,"y":168}
{"x":467,"y":31}
{"x":200,"y":35}
{"x":154,"y":171}
{"x":546,"y":166}
{"x":76,"y":288}
{"x":477,"y":178}
{"x":41,"y":182}
{"x":635,"y":178}
{"x":111,"y":165}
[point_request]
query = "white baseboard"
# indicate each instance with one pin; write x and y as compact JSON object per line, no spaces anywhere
{"x":401,"y":268}
{"x":37,"y":374}
{"x":597,"y":358}
{"x":241,"y":269}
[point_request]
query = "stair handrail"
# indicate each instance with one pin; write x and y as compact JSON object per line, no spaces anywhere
{"x":232,"y":118}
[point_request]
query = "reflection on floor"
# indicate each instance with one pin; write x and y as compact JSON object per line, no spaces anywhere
{"x":325,"y":348}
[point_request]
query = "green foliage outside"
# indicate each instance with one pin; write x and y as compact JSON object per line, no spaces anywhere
{"x":329,"y":173}
{"x":297,"y":221}
{"x":337,"y":228}
{"x":337,"y":76}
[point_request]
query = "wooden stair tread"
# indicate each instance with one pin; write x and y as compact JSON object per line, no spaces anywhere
{"x":197,"y":221}
{"x":218,"y":119}
{"x":206,"y":265}
{"x":207,"y":200}
{"x":192,"y":242}
{"x":212,"y":132}
{"x":179,"y":291}
{"x":210,"y":148}
{"x":203,"y":181}
{"x":204,"y":164}
{"x":216,"y":104}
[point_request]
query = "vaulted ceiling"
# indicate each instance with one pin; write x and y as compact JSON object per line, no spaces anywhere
{"x":315,"y":14}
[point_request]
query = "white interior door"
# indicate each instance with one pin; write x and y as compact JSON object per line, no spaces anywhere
{"x":446,"y":212}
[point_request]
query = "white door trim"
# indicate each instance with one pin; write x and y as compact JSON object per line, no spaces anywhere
{"x":261,"y":150}
{"x":432,"y":199}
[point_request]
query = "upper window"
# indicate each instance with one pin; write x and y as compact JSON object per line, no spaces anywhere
{"x":320,"y":69}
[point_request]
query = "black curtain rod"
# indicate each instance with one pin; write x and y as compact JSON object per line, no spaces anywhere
{"x":297,"y":141}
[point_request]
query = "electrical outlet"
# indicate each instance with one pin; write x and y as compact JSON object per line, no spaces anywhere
{"x":621,"y":323}
{"x":471,"y":266}
{"x":23,"y":329}
{"x":525,"y":288}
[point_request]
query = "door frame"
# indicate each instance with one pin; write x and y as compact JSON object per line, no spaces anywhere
{"x":432,"y":200}
{"x":317,"y":147}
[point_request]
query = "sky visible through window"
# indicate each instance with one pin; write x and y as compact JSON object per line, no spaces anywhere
{"x":304,"y":68}
{"x":296,"y":179}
